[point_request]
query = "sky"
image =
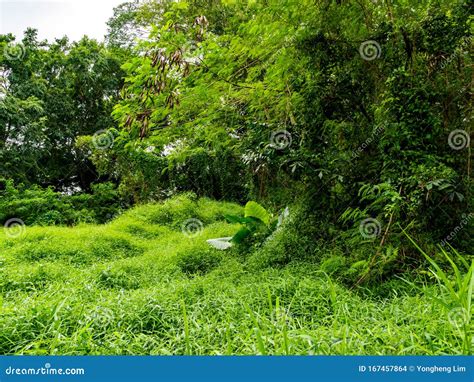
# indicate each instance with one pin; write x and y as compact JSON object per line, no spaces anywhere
{"x":56,"y":18}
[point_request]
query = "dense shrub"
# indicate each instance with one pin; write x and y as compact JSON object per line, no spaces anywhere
{"x":297,"y":239}
{"x":84,"y":246}
{"x":198,"y":262}
{"x":174,"y":212}
{"x":43,"y":206}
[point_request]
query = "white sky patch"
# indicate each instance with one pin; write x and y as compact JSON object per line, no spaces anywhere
{"x":57,"y":18}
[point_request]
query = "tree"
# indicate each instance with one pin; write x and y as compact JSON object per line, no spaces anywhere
{"x":54,"y":93}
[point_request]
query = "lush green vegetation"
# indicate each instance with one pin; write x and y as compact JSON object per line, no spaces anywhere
{"x":240,"y":177}
{"x":139,"y":285}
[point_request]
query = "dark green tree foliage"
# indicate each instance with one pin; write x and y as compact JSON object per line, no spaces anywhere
{"x":351,"y":104}
{"x":53,"y":93}
{"x":42,"y":206}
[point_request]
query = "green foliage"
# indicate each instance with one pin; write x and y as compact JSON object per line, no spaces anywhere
{"x":295,"y":239}
{"x":256,"y":211}
{"x":456,"y":293}
{"x":54,"y":93}
{"x":43,"y":206}
{"x":198,"y":262}
{"x":121,"y":277}
{"x":334,"y":264}
{"x":207,"y":105}
{"x":86,"y":290}
{"x":271,"y":101}
{"x":174,"y":211}
{"x":254,"y":224}
{"x":85,"y":247}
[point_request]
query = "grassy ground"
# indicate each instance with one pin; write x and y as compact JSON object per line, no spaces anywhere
{"x":139,"y":285}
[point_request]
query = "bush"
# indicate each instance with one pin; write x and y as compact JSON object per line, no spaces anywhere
{"x":296,"y":239}
{"x":198,"y":261}
{"x":174,"y":212}
{"x":82,"y":246}
{"x":44,"y":206}
{"x":334,"y":265}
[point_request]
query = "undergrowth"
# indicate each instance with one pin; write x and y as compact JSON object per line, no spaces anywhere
{"x":141,"y":284}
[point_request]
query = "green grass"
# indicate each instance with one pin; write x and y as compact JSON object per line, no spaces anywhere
{"x":138,"y":285}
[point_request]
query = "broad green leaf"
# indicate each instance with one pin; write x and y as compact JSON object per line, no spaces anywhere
{"x":241,"y":235}
{"x":237,"y":219}
{"x":255,"y":210}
